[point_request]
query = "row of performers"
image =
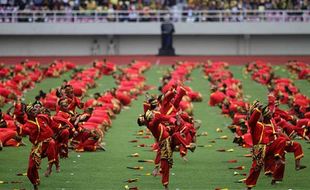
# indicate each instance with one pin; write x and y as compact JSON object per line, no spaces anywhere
{"x":18,"y":78}
{"x":53,"y":135}
{"x":168,"y":117}
{"x":268,"y":130}
{"x":281,"y":90}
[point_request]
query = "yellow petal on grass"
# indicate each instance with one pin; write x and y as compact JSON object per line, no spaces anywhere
{"x":140,"y":133}
{"x":219,"y":130}
{"x":135,"y":167}
{"x":241,"y":180}
{"x":134,"y":155}
{"x":206,"y":146}
{"x":146,"y":174}
{"x":203,"y":134}
{"x":148,"y":161}
{"x":21,"y":174}
{"x":247,"y":155}
{"x":224,"y":137}
{"x":131,"y":180}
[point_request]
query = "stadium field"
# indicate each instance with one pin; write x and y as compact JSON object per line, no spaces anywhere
{"x":207,"y":168}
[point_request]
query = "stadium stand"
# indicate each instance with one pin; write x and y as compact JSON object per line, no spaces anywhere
{"x":211,"y":27}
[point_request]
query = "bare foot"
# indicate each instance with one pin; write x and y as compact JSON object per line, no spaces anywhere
{"x":297,"y":168}
{"x":274,"y":182}
{"x":192,"y":147}
{"x":35,"y":187}
{"x":185,"y":159}
{"x":155,"y":171}
{"x":48,"y":171}
{"x":101,"y":147}
{"x":57,"y":168}
{"x":22,"y":143}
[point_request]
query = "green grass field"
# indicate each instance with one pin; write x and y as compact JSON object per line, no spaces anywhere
{"x":206,"y":169}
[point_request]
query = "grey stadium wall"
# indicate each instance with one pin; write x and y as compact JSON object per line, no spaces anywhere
{"x":74,"y":39}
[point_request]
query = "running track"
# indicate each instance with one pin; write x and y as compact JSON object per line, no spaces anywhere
{"x":235,"y":60}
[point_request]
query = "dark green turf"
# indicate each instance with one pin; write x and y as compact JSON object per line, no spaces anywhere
{"x":206,"y":169}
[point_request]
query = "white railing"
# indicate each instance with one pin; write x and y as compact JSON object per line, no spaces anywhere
{"x":153,"y":16}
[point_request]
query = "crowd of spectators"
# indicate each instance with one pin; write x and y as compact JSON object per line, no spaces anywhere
{"x":146,"y":10}
{"x":111,"y":5}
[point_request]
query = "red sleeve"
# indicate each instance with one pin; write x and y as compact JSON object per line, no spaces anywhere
{"x":146,"y":106}
{"x":158,"y":118}
{"x":79,"y":103}
{"x":157,"y":158}
{"x":254,"y":118}
{"x":23,"y":130}
{"x":181,"y":92}
{"x":168,"y":97}
{"x":45,"y":118}
{"x":186,"y":118}
{"x":62,"y":121}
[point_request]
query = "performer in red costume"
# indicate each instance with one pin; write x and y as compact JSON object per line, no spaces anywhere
{"x":155,"y":123}
{"x":73,"y":100}
{"x":263,"y":148}
{"x":19,"y":111}
{"x":63,"y":127}
{"x":40,"y":135}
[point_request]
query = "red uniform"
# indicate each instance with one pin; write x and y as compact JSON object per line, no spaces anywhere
{"x":291,"y":146}
{"x":303,"y":125}
{"x":6,"y":137}
{"x":183,"y":134}
{"x":263,"y":149}
{"x":62,"y":128}
{"x":290,"y":129}
{"x":216,"y":98}
{"x":43,"y":145}
{"x":162,"y":136}
{"x":18,"y":113}
{"x":88,"y":139}
{"x":75,"y":102}
{"x":123,"y":97}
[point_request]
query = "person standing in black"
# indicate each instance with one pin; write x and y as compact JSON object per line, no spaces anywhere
{"x":167,"y":30}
